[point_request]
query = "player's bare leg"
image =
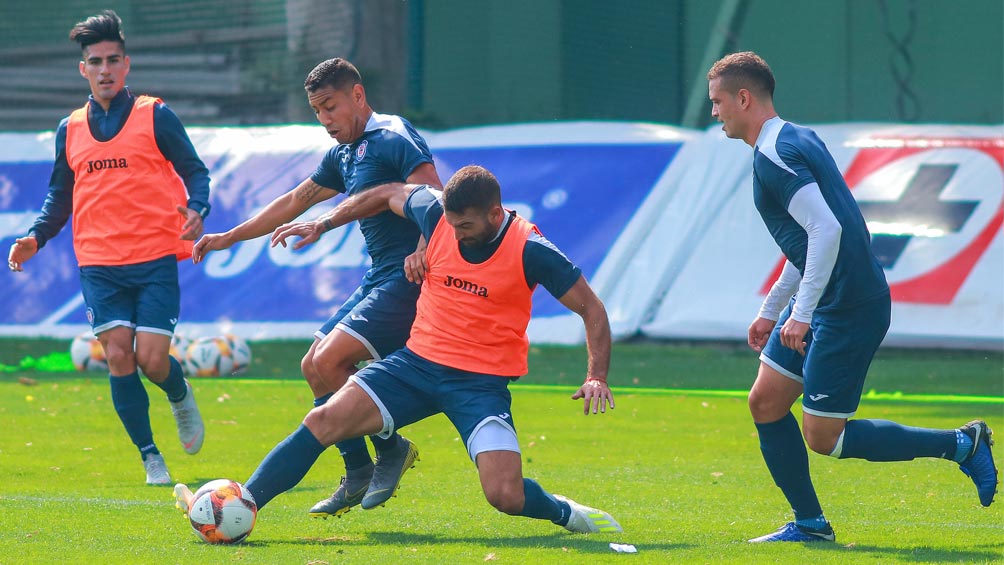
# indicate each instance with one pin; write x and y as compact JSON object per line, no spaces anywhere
{"x":349,"y":413}
{"x":332,"y":361}
{"x":783,"y":449}
{"x":508,"y":491}
{"x":153,"y":357}
{"x":131,"y":402}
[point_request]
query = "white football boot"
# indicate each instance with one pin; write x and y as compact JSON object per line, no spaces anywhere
{"x":156,"y":470}
{"x":191,"y":431}
{"x":586,"y":520}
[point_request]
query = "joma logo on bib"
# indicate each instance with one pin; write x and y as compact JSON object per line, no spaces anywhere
{"x":466,"y":286}
{"x":102,"y":164}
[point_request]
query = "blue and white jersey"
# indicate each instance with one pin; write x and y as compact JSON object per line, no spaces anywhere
{"x":389,"y":150}
{"x":786,"y":158}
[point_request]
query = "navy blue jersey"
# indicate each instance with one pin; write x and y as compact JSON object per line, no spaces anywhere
{"x":786,"y":158}
{"x":388,"y":151}
{"x":543,"y":262}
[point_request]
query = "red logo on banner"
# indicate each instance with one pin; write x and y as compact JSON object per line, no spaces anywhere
{"x":933,"y":207}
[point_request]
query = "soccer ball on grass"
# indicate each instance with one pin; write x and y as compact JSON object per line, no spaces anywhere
{"x":222,"y":511}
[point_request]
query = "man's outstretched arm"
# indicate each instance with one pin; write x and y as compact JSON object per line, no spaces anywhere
{"x":370,"y":202}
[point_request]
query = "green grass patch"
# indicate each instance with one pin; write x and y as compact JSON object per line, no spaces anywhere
{"x":682,"y":473}
{"x":724,"y":366}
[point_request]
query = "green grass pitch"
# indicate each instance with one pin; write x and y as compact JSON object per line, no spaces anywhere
{"x":681,"y":472}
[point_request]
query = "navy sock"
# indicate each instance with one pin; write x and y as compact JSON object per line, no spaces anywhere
{"x":788,"y":462}
{"x":133,"y":407}
{"x":815,"y":523}
{"x":354,"y":453}
{"x":174,"y":384}
{"x":284,"y":466}
{"x":882,"y":440}
{"x":384,"y":445}
{"x":323,"y":399}
{"x":538,"y":504}
{"x":964,"y":446}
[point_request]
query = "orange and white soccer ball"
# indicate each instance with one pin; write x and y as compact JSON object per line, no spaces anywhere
{"x":209,"y":357}
{"x":240,"y":351}
{"x":222,"y":511}
{"x":87,"y":354}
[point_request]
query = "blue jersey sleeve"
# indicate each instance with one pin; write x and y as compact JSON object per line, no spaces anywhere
{"x":795,"y":177}
{"x":424,"y":208}
{"x":174,"y":144}
{"x":406,"y":155}
{"x":327,"y":173}
{"x":546,"y":265}
{"x":59,"y":201}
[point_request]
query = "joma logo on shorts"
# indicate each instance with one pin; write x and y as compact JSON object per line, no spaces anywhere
{"x":102,"y":164}
{"x":466,"y":286}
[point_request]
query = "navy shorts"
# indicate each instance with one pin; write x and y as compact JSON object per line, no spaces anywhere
{"x":840,"y":347}
{"x":378,"y":315}
{"x":407,"y":388}
{"x":144,"y":296}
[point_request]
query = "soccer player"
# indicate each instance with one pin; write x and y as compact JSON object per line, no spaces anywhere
{"x":372,"y":149}
{"x":467,"y":343}
{"x":821,"y":340}
{"x":123,"y":166}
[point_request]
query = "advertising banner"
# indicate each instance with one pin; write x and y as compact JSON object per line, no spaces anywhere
{"x":933,"y":198}
{"x":582,"y":183}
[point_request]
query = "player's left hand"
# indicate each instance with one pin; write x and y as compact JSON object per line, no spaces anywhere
{"x":415,"y":264}
{"x":596,"y":393}
{"x":308,"y":232}
{"x":192,"y":229}
{"x":793,"y":335}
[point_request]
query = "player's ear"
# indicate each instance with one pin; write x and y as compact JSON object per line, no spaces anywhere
{"x":82,"y":73}
{"x":743,"y":96}
{"x":358,"y":94}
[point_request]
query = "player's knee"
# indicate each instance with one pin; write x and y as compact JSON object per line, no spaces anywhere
{"x":322,"y":425}
{"x":308,"y":370}
{"x":504,"y":497}
{"x":153,"y":365}
{"x":331,"y":367}
{"x":765,"y":407}
{"x":117,"y":355}
{"x":820,"y":441}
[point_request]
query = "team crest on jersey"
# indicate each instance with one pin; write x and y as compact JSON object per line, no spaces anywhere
{"x":361,"y":151}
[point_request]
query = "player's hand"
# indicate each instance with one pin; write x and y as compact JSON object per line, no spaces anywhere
{"x":209,"y":242}
{"x":308,"y":232}
{"x":415,"y":264}
{"x":595,"y":393}
{"x":758,"y":333}
{"x":793,"y":335}
{"x":193,"y":224}
{"x":24,"y":248}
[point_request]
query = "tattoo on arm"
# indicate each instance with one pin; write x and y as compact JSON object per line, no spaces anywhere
{"x":308,"y":190}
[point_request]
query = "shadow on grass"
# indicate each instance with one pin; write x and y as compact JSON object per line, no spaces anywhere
{"x":556,"y":541}
{"x":983,"y":553}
